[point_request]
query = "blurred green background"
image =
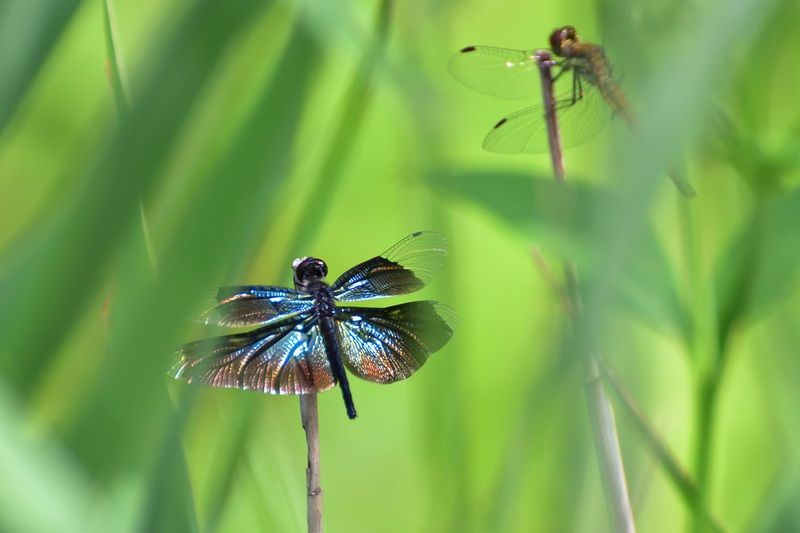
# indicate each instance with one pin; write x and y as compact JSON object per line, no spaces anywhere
{"x":151,"y":155}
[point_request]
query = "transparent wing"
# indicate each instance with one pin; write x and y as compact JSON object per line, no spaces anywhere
{"x":287,"y":357}
{"x":499,"y":71}
{"x":526,"y":130}
{"x":242,"y":306}
{"x":385,"y":345}
{"x":405,"y":267}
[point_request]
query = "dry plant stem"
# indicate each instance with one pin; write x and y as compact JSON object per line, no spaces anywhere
{"x":604,"y":427}
{"x":666,"y":459}
{"x":682,"y":480}
{"x":310,"y":419}
{"x":545,"y":62}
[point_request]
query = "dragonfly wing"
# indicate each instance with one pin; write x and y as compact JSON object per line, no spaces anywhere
{"x":526,"y":130}
{"x":581,"y":121}
{"x":405,"y":267}
{"x":242,"y":306}
{"x":523,"y":131}
{"x":287,"y":357}
{"x":389,"y":344}
{"x":499,"y":71}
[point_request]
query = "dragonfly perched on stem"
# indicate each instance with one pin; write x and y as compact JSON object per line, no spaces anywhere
{"x":582,"y":109}
{"x":304,"y":340}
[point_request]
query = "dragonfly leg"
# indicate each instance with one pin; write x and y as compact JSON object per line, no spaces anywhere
{"x":564,"y":66}
{"x":577,"y":88}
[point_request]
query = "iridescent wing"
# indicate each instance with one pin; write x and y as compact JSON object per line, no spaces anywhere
{"x":285,"y":357}
{"x":405,"y":267}
{"x":242,"y":306}
{"x":498,"y":71}
{"x":579,"y":119}
{"x":389,"y":344}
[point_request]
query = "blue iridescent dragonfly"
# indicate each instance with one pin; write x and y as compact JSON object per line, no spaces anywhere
{"x":305,"y":341}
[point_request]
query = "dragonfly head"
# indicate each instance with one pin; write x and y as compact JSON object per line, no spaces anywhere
{"x":563,"y":37}
{"x":308,"y":270}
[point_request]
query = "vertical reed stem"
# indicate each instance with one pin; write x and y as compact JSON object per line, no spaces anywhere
{"x":601,"y":413}
{"x":310,"y":419}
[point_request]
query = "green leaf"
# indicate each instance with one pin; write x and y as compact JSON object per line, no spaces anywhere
{"x":71,"y":253}
{"x":560,"y":218}
{"x":28,"y":31}
{"x":39,"y":475}
{"x":760,"y":266}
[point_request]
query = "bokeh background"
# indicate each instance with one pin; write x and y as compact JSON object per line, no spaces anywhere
{"x":150,"y":151}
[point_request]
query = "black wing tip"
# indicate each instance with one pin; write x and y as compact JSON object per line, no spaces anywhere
{"x":431,"y":235}
{"x":500,"y":123}
{"x":490,"y":142}
{"x":467,"y":49}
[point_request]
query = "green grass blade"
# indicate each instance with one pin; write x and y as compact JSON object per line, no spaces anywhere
{"x":28,"y":31}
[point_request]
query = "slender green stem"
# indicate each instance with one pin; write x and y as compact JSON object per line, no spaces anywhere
{"x":707,"y":395}
{"x":732,"y":303}
{"x":702,"y":343}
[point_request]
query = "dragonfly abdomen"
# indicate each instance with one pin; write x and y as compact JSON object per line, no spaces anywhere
{"x":324,"y":309}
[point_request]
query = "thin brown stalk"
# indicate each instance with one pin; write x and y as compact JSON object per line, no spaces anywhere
{"x":601,"y":413}
{"x":545,"y":62}
{"x":310,"y":419}
{"x":680,"y":478}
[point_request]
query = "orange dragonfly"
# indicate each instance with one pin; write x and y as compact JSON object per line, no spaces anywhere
{"x":583,"y":108}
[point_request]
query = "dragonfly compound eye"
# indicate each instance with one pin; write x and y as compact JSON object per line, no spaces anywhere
{"x":561,"y":37}
{"x":309,"y":269}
